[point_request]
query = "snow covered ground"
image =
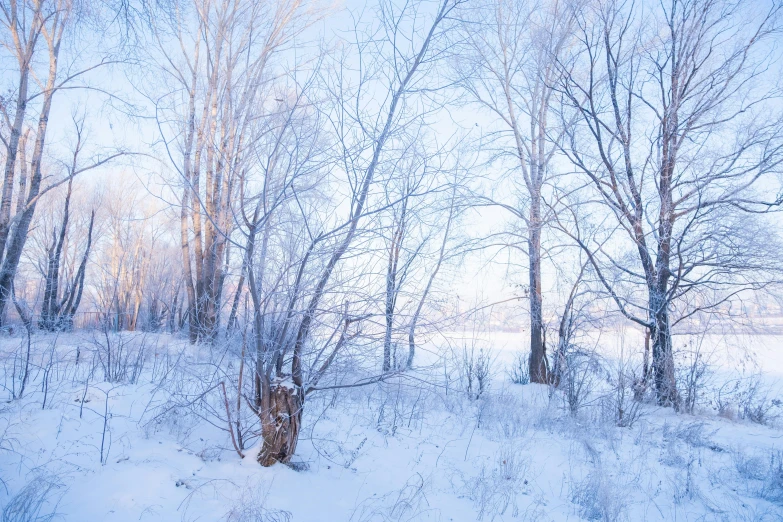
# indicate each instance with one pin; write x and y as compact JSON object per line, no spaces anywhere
{"x":151,"y":447}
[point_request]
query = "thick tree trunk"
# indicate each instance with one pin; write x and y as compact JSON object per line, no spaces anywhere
{"x":12,"y":148}
{"x":19,"y":237}
{"x":280,"y":423}
{"x":663,"y":354}
{"x":17,"y":241}
{"x":186,"y":268}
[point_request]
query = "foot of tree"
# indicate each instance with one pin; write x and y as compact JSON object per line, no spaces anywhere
{"x":280,"y":425}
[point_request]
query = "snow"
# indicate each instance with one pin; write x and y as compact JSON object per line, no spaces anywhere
{"x":398,"y":450}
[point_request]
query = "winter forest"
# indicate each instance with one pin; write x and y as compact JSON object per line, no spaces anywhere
{"x":391,"y":260}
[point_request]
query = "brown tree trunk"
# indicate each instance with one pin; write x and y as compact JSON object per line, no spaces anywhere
{"x":280,"y":423}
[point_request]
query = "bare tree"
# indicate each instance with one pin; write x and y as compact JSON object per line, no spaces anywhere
{"x":131,"y":239}
{"x":367,"y":136}
{"x":509,"y":71}
{"x":220,"y":56}
{"x":422,"y":196}
{"x":680,"y":148}
{"x":64,"y":285}
{"x":34,"y":32}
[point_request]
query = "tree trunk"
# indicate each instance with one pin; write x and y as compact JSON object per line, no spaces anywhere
{"x":391,"y":291}
{"x":232,"y":317}
{"x":392,"y":283}
{"x":559,"y":358}
{"x":12,"y":148}
{"x":51,"y":310}
{"x":663,"y":354}
{"x":538,"y":365}
{"x":280,"y":423}
{"x":19,"y":238}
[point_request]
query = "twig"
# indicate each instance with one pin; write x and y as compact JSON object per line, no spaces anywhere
{"x":230,"y":427}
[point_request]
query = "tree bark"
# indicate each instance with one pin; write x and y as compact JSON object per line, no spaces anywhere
{"x":50,"y":310}
{"x":24,"y":49}
{"x":17,"y":241}
{"x":19,"y":238}
{"x":392,"y":285}
{"x":280,"y":424}
{"x":662,"y":352}
{"x":537,"y":364}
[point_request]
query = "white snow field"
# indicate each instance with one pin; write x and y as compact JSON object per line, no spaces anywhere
{"x":153,"y":445}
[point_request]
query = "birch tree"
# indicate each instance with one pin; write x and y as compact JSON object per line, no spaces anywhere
{"x":34,"y":32}
{"x":219,"y":55}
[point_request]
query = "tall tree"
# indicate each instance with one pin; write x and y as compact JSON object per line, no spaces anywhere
{"x":63,"y":290}
{"x":682,"y":149}
{"x":509,"y":71}
{"x":225,"y":61}
{"x":34,"y":32}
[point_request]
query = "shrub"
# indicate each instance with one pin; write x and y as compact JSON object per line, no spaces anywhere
{"x":519,"y":371}
{"x":620,"y":405}
{"x":28,"y":505}
{"x":598,"y":497}
{"x":762,"y":471}
{"x":747,"y":399}
{"x":494,"y":490}
{"x":475,"y":370}
{"x":250,"y":508}
{"x":579,"y":378}
{"x":692,"y":377}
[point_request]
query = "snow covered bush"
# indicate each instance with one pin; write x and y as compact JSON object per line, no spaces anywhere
{"x":121,"y":355}
{"x":762,"y":473}
{"x":519,"y":370}
{"x":693,"y":374}
{"x":475,"y":369}
{"x":504,"y":415}
{"x":620,"y":405}
{"x":495,"y":489}
{"x":579,"y":379}
{"x":250,"y":507}
{"x":408,"y":504}
{"x":748,"y":399}
{"x":33,"y":503}
{"x":598,"y":496}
